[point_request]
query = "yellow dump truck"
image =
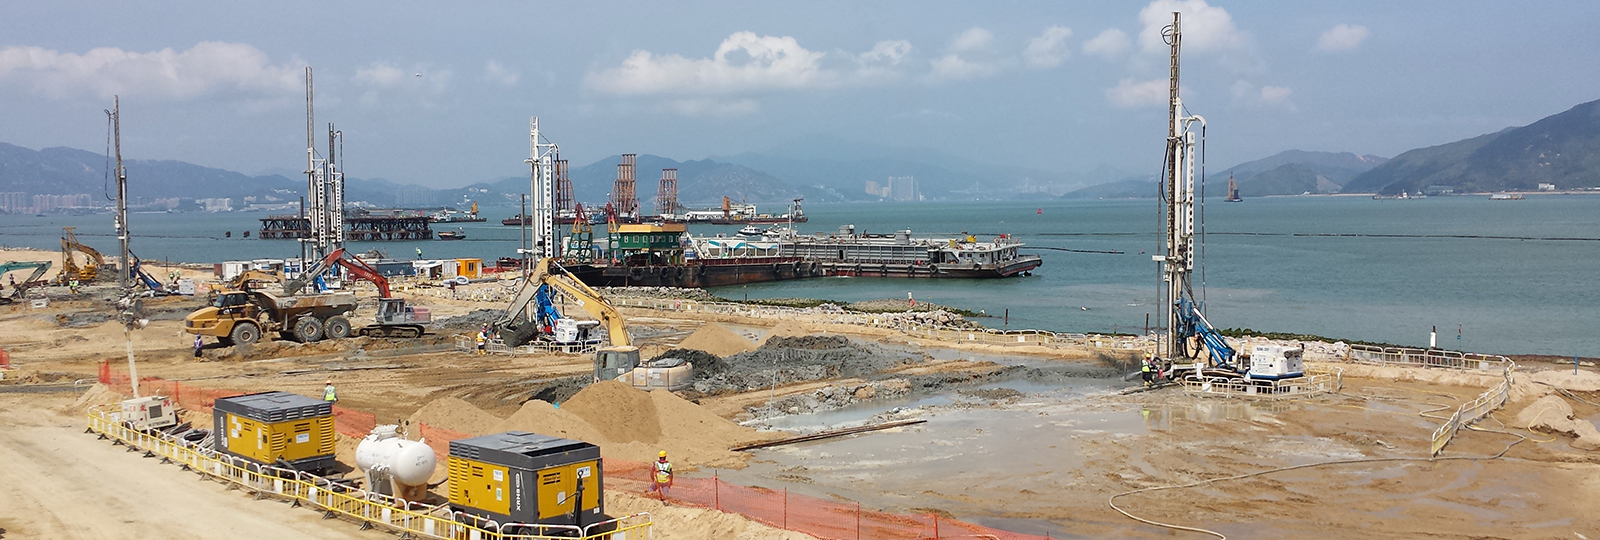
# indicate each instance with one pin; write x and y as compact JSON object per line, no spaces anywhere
{"x":243,"y":316}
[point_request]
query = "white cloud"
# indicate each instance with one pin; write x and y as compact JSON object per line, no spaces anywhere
{"x":1205,"y":27}
{"x":971,"y":55}
{"x":712,"y":106}
{"x":1342,"y":37}
{"x":972,"y":40}
{"x":1048,"y":49}
{"x":1128,"y":93}
{"x":744,"y":62}
{"x":1109,"y":44}
{"x":380,"y":75}
{"x":497,"y":73}
{"x":419,"y":85}
{"x":1249,"y":96}
{"x":205,"y":68}
{"x":886,"y":52}
{"x":1275,"y":94}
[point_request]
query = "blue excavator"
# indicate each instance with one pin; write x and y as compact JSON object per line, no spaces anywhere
{"x":17,"y":288}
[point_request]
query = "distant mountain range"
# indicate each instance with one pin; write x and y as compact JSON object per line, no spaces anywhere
{"x":1292,"y":172}
{"x":1562,"y":149}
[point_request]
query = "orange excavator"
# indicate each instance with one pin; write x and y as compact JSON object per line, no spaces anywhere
{"x":395,"y":318}
{"x":69,"y":264}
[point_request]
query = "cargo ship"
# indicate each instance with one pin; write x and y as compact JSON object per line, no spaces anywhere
{"x":742,"y":214}
{"x":448,"y":215}
{"x":848,"y":253}
{"x":665,"y":255}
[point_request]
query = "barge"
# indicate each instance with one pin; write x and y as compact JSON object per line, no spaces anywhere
{"x":848,"y":253}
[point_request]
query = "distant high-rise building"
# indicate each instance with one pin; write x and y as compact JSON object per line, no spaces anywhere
{"x":15,"y":201}
{"x":902,"y":188}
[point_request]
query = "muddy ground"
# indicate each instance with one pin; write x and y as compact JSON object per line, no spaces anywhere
{"x":1022,"y":438}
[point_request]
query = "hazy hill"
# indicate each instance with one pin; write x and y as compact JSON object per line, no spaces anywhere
{"x":1562,"y":149}
{"x":1293,"y":172}
{"x":66,"y":171}
{"x":829,"y":164}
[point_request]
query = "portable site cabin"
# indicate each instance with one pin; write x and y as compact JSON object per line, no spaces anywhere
{"x":469,"y":268}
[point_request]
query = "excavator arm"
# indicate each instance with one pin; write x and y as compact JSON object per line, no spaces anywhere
{"x":39,"y":268}
{"x":550,"y":274}
{"x":356,"y":268}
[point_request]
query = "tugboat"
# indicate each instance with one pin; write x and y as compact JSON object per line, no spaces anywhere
{"x":457,"y":234}
{"x":751,"y":231}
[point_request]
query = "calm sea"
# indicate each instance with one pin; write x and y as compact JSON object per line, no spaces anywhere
{"x":1414,"y":270}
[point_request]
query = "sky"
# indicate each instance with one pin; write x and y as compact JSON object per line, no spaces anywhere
{"x":439,"y":95}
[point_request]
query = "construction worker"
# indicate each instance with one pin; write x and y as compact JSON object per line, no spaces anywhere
{"x":483,"y":341}
{"x":328,"y":393}
{"x":198,"y":344}
{"x":663,"y":476}
{"x":419,"y":253}
{"x":1146,"y":370}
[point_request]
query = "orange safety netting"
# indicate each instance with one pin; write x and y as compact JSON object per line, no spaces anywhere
{"x":822,"y":518}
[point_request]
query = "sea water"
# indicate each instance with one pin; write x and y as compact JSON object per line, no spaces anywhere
{"x":1415,"y":269}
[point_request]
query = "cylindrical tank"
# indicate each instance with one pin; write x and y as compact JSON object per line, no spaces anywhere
{"x":408,"y":462}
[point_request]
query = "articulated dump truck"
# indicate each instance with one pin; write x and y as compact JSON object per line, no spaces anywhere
{"x":244,"y":316}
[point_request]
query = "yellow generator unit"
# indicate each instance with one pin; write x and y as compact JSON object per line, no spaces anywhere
{"x":526,"y":478}
{"x":273,"y":428}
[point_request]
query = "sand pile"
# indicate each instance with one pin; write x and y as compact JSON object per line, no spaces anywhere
{"x":717,"y":339}
{"x":1582,"y":381}
{"x":545,"y":419}
{"x":621,"y":413}
{"x":678,"y":522}
{"x":455,"y":414}
{"x":99,"y":394}
{"x":633,"y":425}
{"x":1551,"y":414}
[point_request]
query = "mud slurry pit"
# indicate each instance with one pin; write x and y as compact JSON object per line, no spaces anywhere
{"x":1045,"y":463}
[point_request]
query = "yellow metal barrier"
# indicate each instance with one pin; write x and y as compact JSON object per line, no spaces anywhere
{"x":338,"y":499}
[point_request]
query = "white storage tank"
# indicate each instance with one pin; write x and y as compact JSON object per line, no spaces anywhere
{"x":395,"y":465}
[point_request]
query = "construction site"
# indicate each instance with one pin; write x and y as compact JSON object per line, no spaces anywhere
{"x":342,"y":403}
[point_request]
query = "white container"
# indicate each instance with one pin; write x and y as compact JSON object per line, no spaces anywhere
{"x":1275,"y":362}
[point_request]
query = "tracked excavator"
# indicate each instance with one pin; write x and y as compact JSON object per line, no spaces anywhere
{"x":70,"y":270}
{"x":531,"y":316}
{"x":395,"y":318}
{"x":16,"y":293}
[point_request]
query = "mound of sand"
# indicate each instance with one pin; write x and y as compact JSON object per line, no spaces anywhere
{"x":455,"y":414}
{"x":717,"y":339}
{"x":1551,"y":414}
{"x":99,"y":394}
{"x":678,"y":522}
{"x":545,"y":419}
{"x":626,"y":423}
{"x":1548,"y":414}
{"x":621,"y":413}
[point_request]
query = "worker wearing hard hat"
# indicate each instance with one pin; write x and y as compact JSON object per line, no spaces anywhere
{"x":328,"y":393}
{"x":662,"y":479}
{"x":1147,"y":369}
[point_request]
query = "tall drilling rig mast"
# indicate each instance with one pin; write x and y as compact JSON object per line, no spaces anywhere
{"x":542,"y":155}
{"x":129,"y":308}
{"x":1178,"y":255}
{"x":324,"y":186}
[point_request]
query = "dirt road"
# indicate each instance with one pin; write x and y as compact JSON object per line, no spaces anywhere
{"x":63,"y":483}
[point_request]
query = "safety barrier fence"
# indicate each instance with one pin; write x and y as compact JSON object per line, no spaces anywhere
{"x":496,"y":346}
{"x":1469,"y":412}
{"x":926,"y":330}
{"x":337,"y":499}
{"x":823,"y":518}
{"x":1317,"y":380}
